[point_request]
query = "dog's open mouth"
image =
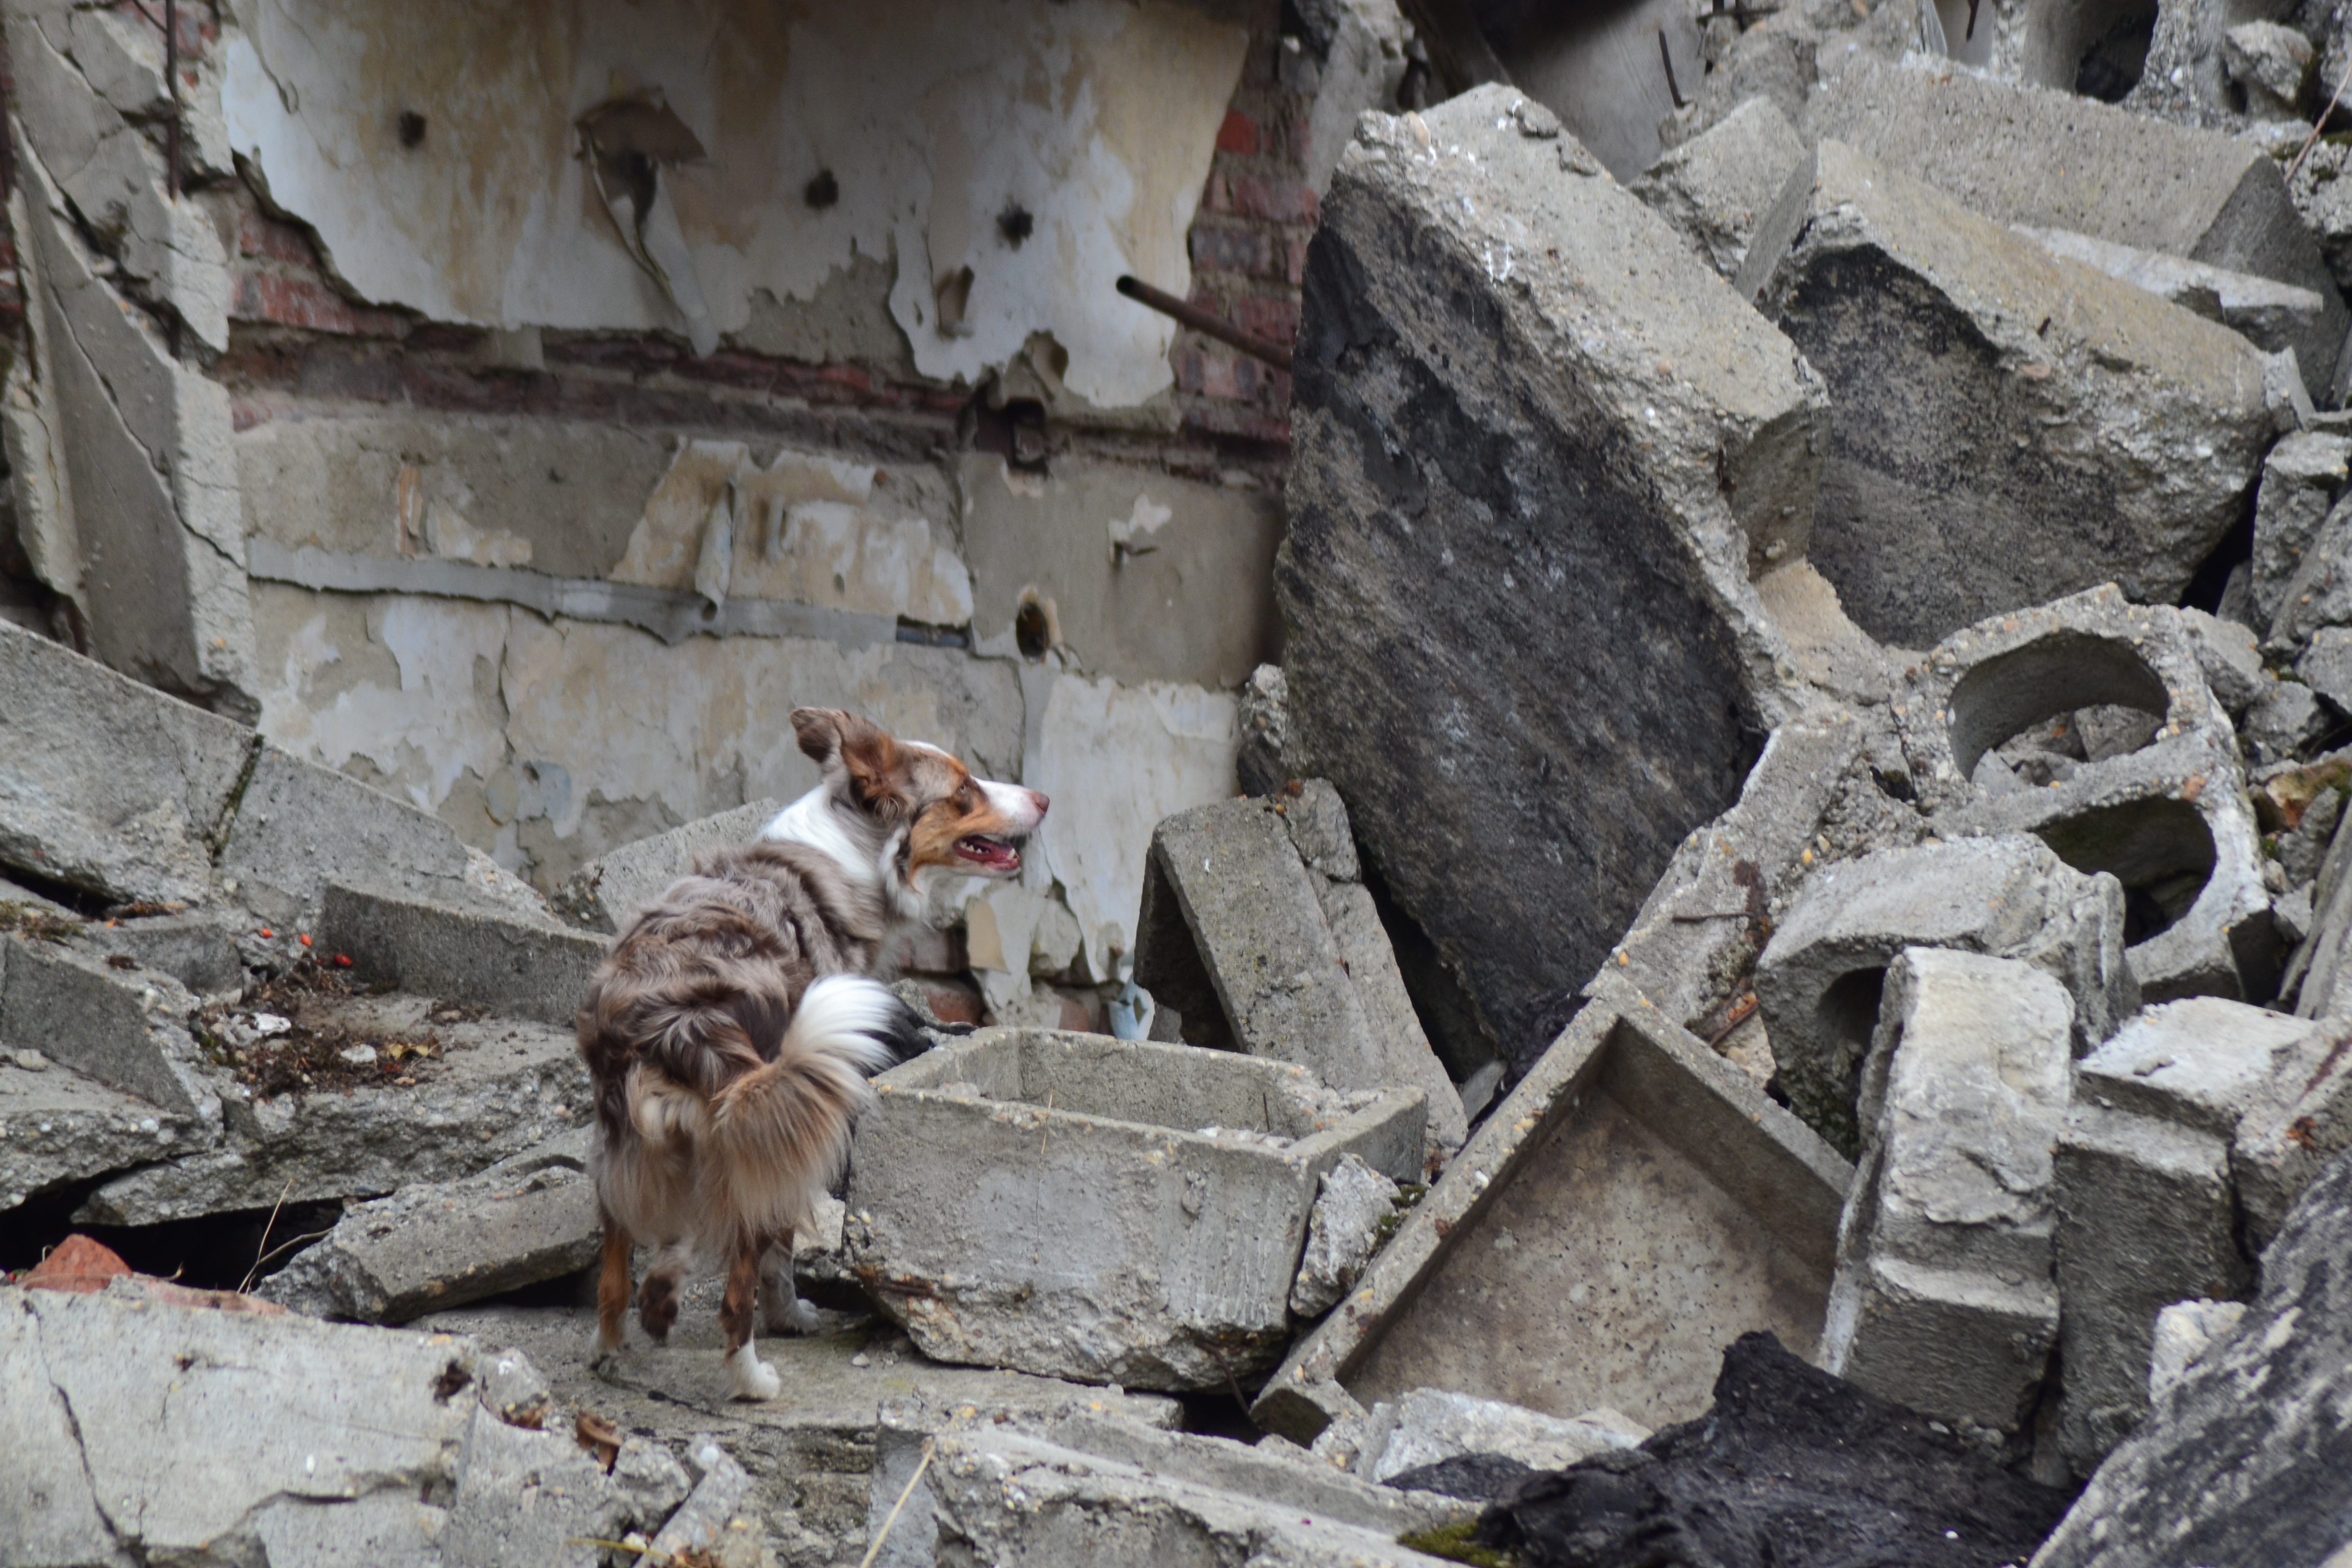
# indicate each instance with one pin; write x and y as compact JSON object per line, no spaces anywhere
{"x":990,"y":854}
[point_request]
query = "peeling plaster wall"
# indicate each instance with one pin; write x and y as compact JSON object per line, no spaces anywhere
{"x":1097,"y":118}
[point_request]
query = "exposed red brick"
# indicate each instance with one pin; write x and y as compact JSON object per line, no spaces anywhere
{"x":1239,"y":133}
{"x":1251,"y":252}
{"x":1276,"y":200}
{"x":1276,"y":320}
{"x":299,"y":302}
{"x":258,"y":233}
{"x":951,"y":1001}
{"x":76,"y":1264}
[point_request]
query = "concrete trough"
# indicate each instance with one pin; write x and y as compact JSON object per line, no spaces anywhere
{"x":1632,"y":1207}
{"x":1104,"y":1210}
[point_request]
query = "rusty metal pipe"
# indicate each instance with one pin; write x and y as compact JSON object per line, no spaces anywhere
{"x":1201,"y":322}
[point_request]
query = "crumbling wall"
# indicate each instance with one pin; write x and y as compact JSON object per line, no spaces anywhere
{"x":371,"y":420}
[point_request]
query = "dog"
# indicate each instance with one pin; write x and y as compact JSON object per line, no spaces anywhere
{"x":730,"y":1032}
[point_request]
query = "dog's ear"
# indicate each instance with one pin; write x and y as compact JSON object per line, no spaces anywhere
{"x":865,"y":751}
{"x":820,"y":732}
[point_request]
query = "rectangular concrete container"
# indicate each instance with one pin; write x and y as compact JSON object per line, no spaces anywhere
{"x":1105,"y":1210}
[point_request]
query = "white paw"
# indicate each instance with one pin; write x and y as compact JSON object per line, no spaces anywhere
{"x":751,"y":1377}
{"x":796,"y":1316}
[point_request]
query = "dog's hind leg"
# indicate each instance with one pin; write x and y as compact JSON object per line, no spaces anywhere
{"x":657,"y":1297}
{"x":750,"y":1377}
{"x":611,"y":1287}
{"x":781,"y":1310}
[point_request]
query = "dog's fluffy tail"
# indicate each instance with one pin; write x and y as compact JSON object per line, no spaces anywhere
{"x":779,"y":1135}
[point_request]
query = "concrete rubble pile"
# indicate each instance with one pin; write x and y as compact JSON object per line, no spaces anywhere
{"x":1798,"y":822}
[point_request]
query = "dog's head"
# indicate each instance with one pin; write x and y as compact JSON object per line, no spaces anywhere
{"x":913,"y":805}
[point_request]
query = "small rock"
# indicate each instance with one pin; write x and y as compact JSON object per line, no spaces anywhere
{"x":31,"y":1061}
{"x":2292,"y":914}
{"x":357,"y":1055}
{"x":2184,"y":1332}
{"x":267,"y":1024}
{"x":2326,"y":666}
{"x":2286,"y":720}
{"x":2273,"y":63}
{"x":1341,"y":1232}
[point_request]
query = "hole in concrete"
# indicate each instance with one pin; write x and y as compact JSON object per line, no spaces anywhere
{"x":2212,"y":579}
{"x":412,"y":129}
{"x":1033,"y":629}
{"x":80,"y":900}
{"x":822,"y":191}
{"x":1849,"y":1009}
{"x":1016,"y":224}
{"x":211,"y":1252}
{"x":2108,"y":46}
{"x":2161,"y":850}
{"x":2058,"y":674}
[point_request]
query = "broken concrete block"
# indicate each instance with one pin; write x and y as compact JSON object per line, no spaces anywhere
{"x":2200,"y":1062}
{"x":299,"y":827}
{"x":2185,"y":1331}
{"x":1709,"y":915}
{"x":605,"y":894}
{"x":2218,"y":1473}
{"x":435,"y":1245}
{"x":1528,"y":1274}
{"x":2146,"y":1217}
{"x":108,"y":784}
{"x":2302,"y":477}
{"x":1428,"y":1424}
{"x":2056,"y":160}
{"x":124,"y":1028}
{"x":1575,"y":65}
{"x":1716,"y":188}
{"x":1989,"y":478}
{"x":1294,"y":961}
{"x":523,"y":969}
{"x":1168,"y":1192}
{"x":2271,"y":65}
{"x":715,"y":1522}
{"x":531,"y":1499}
{"x":1003,"y":1498}
{"x":202,"y":1430}
{"x":493,"y":1087}
{"x":1818,"y":983}
{"x":1342,"y":1229}
{"x":2299,"y":1120}
{"x":1944,"y":1299}
{"x":58,"y":1127}
{"x":2271,"y":315}
{"x":1264,"y":761}
{"x":2231,"y":657}
{"x":2169,"y":820}
{"x":2287,"y":720}
{"x":1675,"y":458}
{"x":2326,"y":667}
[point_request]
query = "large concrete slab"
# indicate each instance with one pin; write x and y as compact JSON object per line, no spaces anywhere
{"x":58,"y":1127}
{"x":1107,"y":1210}
{"x":605,"y":894}
{"x":1530,"y":483}
{"x":1634,"y":1205}
{"x":522,"y":969}
{"x":496,"y":1087}
{"x":127,"y":1030}
{"x":108,"y":784}
{"x":1991,"y":448}
{"x":2056,"y":160}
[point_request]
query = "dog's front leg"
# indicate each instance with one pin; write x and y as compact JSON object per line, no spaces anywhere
{"x":750,"y":1377}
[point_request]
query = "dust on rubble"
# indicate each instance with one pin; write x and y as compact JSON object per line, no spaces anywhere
{"x":283,"y":1034}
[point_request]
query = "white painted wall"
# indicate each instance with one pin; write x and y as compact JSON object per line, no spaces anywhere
{"x":1096,"y":117}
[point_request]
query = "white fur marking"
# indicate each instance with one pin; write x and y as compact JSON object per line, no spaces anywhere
{"x":749,"y":1377}
{"x":1019,"y":805}
{"x":812,"y":821}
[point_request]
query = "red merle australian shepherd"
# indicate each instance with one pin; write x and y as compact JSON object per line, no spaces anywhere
{"x":731,"y":1032}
